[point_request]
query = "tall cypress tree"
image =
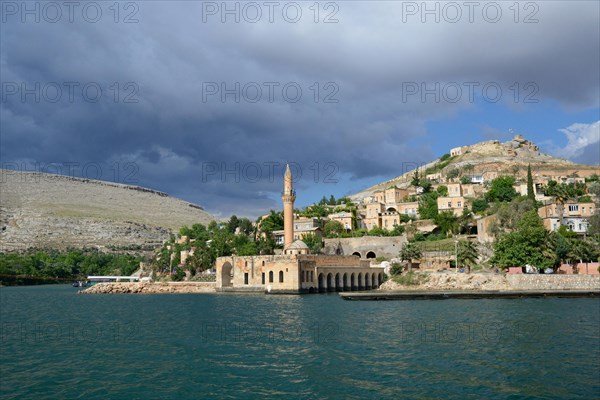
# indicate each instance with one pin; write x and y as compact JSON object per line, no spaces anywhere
{"x":530,"y":192}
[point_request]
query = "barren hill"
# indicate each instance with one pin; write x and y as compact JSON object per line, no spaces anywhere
{"x":56,"y":211}
{"x":508,"y":158}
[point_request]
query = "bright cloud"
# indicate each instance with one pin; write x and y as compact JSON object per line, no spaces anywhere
{"x":582,"y":139}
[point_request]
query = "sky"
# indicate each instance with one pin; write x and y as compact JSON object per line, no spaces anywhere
{"x":207,"y":101}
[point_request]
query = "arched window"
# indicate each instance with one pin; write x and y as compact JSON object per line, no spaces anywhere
{"x":263,"y":263}
{"x":280,"y":276}
{"x":271,"y":276}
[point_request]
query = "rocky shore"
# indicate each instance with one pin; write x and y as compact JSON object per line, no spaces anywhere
{"x":447,"y":281}
{"x":489,"y":281}
{"x":150,"y":287}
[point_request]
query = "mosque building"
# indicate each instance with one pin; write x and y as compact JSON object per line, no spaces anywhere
{"x":296,"y":270}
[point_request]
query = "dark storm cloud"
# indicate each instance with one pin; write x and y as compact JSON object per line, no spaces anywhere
{"x":172,"y":132}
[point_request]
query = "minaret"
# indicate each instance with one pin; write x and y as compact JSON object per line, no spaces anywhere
{"x":288,"y":197}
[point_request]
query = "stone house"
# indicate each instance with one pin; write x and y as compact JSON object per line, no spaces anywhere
{"x":454,"y":204}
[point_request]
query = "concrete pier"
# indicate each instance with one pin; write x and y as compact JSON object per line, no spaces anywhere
{"x":464,"y":294}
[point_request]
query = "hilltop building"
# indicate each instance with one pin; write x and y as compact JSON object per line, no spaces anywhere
{"x":296,"y":270}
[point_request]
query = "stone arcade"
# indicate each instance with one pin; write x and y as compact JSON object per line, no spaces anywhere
{"x":296,"y":271}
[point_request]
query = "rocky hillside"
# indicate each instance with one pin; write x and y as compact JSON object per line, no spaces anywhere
{"x":508,"y":158}
{"x":55,"y":211}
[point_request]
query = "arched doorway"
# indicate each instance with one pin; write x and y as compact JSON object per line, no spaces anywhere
{"x":380,"y":280}
{"x":330,"y":284}
{"x":321,"y":280}
{"x":352,"y":282}
{"x":360,"y":281}
{"x":367,"y":281}
{"x":356,"y":253}
{"x":346,"y":283}
{"x":373,"y":281}
{"x":339,"y":286}
{"x":226,"y":275}
{"x":371,"y":254}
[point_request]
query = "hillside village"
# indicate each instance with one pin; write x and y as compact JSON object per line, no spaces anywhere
{"x":488,"y":206}
{"x":467,"y":199}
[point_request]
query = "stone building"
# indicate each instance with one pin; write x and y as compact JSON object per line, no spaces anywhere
{"x":574,"y":215}
{"x":372,"y":216}
{"x":454,"y":204}
{"x":457,"y":151}
{"x":344,"y":218}
{"x":295,"y":271}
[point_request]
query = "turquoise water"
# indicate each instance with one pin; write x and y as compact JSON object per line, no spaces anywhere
{"x":57,"y":344}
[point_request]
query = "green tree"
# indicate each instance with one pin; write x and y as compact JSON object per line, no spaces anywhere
{"x":316,"y":210}
{"x":426,"y":185}
{"x":561,"y":195}
{"x":594,"y":223}
{"x":530,"y":192}
{"x":333,"y":229}
{"x":562,"y":248}
{"x":582,"y":250}
{"x":199,"y":232}
{"x":467,"y":254}
{"x":314,"y":242}
{"x":201,"y":259}
{"x":509,"y":214}
{"x":232,"y":224}
{"x":502,"y":190}
{"x":398,"y":230}
{"x":478,"y":206}
{"x":416,"y":180}
{"x":566,"y":232}
{"x":442,"y":190}
{"x":428,"y":208}
{"x":265,"y":245}
{"x":410,"y":251}
{"x":377,"y":231}
{"x":273,"y":222}
{"x":453,"y":174}
{"x":528,"y":244}
{"x":447,"y":221}
{"x":185,"y":231}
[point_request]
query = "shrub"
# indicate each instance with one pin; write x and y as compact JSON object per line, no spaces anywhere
{"x":479,"y":205}
{"x":396,"y":269}
{"x":178,"y":275}
{"x":419,"y":237}
{"x":411,"y":279}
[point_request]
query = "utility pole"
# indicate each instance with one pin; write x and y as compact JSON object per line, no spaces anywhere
{"x":456,"y":254}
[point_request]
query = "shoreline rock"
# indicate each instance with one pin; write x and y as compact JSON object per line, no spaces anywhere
{"x":150,"y":287}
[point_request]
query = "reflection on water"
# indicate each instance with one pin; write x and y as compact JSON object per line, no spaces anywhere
{"x":57,"y":344}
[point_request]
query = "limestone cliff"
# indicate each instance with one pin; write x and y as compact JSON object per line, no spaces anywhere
{"x":54,"y":211}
